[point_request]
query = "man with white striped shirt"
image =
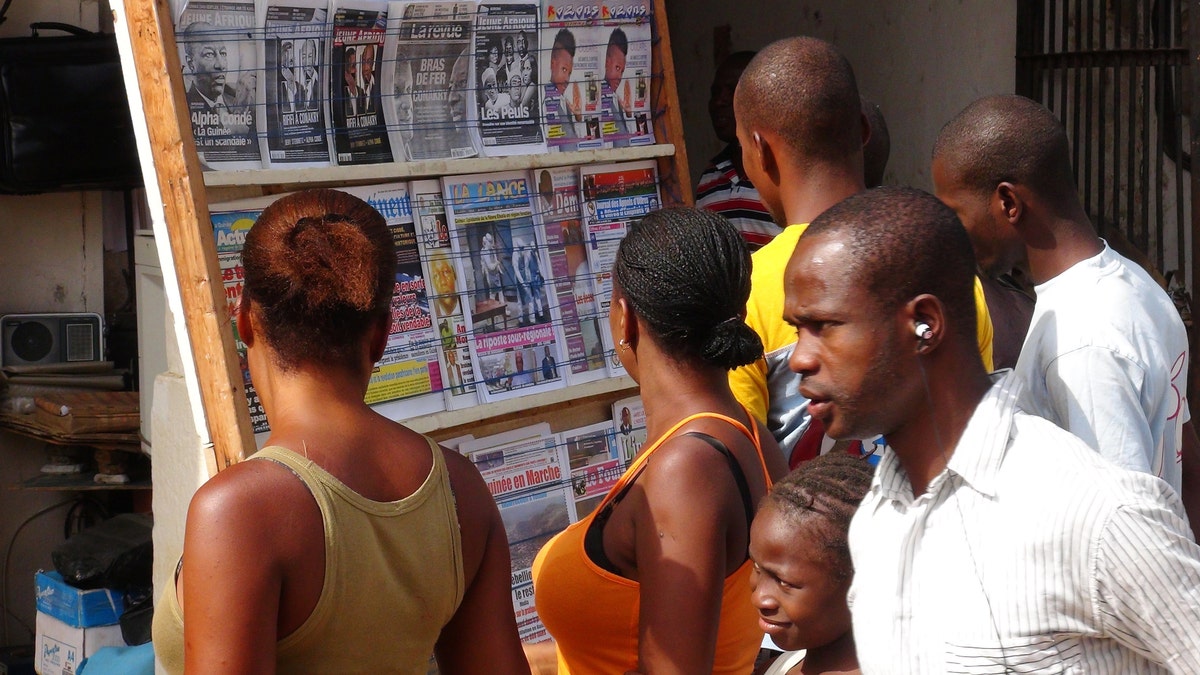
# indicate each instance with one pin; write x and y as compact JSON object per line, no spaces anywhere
{"x":991,"y":541}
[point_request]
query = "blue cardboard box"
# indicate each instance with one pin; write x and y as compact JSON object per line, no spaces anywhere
{"x":75,"y":607}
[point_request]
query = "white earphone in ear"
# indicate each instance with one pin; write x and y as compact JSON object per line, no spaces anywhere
{"x":923,"y":331}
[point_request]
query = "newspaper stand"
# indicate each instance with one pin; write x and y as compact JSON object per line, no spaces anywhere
{"x":187,"y":191}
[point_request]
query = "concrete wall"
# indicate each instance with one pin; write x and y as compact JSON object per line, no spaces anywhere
{"x":921,"y":61}
{"x":51,"y":260}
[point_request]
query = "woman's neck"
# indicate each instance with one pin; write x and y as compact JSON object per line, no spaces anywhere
{"x":672,"y":390}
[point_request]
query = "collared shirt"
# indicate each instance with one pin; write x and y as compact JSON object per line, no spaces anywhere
{"x":721,"y":190}
{"x":1028,"y":553}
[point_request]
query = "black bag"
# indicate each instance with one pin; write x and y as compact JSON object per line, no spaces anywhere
{"x":64,"y":117}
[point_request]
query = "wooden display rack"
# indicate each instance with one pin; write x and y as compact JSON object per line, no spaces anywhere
{"x":187,"y":191}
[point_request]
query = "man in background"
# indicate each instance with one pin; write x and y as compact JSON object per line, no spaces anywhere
{"x":801,"y":129}
{"x":724,"y":187}
{"x":1106,"y":355}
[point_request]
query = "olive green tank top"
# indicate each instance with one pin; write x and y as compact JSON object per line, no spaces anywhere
{"x":393,"y":579}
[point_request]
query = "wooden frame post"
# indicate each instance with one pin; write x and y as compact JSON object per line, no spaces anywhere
{"x":180,"y":180}
{"x":674,"y":173}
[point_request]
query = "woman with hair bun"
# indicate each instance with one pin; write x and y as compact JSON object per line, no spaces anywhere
{"x":349,"y":544}
{"x":656,"y":580}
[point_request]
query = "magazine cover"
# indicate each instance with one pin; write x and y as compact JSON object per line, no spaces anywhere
{"x":231,"y":223}
{"x":426,"y":76}
{"x":407,"y":381}
{"x":219,"y":53}
{"x":528,"y":479}
{"x":614,"y":195}
{"x":628,"y":428}
{"x":507,"y":105}
{"x":359,"y":129}
{"x":445,"y":300}
{"x":625,"y":38}
{"x":571,"y":67}
{"x":294,"y":50}
{"x":515,"y":344}
{"x":557,"y":206}
{"x":595,"y":464}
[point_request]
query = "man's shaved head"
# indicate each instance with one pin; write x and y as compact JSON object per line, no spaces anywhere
{"x":1011,"y":139}
{"x":803,"y":90}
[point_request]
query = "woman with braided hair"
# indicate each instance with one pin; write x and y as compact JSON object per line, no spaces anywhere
{"x":802,"y":567}
{"x":350,"y":543}
{"x":655,"y":580}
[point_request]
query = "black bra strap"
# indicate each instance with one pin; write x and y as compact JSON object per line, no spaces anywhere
{"x":593,"y":538}
{"x":739,"y":476}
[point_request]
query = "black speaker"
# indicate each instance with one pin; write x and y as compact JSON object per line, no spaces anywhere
{"x":37,"y":339}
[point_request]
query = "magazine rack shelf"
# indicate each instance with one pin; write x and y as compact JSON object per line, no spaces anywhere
{"x":377,"y":173}
{"x":154,"y":72}
{"x":562,"y":408}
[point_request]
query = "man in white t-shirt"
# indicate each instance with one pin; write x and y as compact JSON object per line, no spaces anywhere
{"x":1106,"y":354}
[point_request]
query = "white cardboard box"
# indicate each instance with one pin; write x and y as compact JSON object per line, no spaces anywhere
{"x":60,"y":648}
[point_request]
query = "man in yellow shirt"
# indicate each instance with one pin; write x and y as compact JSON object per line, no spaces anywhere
{"x":801,"y":128}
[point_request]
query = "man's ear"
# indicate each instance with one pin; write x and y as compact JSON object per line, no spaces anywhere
{"x":767,"y":158}
{"x":866,"y":128}
{"x":1010,"y":202}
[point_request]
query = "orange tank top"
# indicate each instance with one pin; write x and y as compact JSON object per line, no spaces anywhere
{"x":593,"y":614}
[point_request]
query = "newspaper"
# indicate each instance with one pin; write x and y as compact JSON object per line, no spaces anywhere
{"x":595,"y":464}
{"x":507,"y":105}
{"x":501,"y":254}
{"x":529,"y":481}
{"x":437,"y":257}
{"x":296,"y":40}
{"x":218,"y":50}
{"x":572,"y":68}
{"x":558,"y":209}
{"x":231,"y":223}
{"x":359,"y":128}
{"x":427,"y":62}
{"x":628,"y":428}
{"x":407,"y":381}
{"x":614,"y":195}
{"x":625,"y":39}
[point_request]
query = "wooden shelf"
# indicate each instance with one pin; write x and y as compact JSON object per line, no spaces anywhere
{"x":430,"y":168}
{"x":440,"y":424}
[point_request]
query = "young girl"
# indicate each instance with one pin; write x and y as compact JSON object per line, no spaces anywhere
{"x":802,"y":566}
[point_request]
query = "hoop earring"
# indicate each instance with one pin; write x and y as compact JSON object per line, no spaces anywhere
{"x":623,"y":345}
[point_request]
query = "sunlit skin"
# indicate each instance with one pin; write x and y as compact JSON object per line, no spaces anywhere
{"x":998,"y":246}
{"x":752,"y":167}
{"x":798,"y":590}
{"x":846,"y":349}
